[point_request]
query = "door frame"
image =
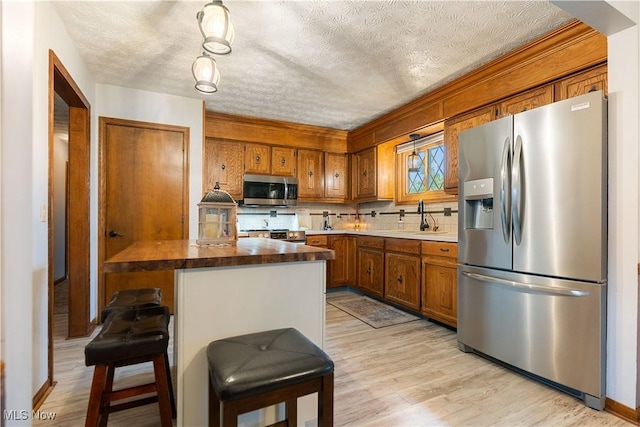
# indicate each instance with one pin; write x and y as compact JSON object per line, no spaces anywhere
{"x":102,"y":186}
{"x":61,"y":82}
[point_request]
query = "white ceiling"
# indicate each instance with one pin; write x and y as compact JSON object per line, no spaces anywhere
{"x":337,"y":64}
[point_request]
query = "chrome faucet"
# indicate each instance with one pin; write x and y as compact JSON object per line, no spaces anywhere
{"x":424,"y":224}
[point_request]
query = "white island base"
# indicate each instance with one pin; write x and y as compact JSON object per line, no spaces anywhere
{"x":219,"y":302}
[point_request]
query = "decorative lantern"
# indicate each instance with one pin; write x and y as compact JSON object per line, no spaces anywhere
{"x":217,"y":214}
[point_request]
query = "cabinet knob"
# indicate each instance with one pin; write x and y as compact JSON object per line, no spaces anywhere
{"x":593,"y":88}
{"x":283,"y":161}
{"x":223,"y":167}
{"x":369,"y":271}
{"x":444,"y":250}
{"x":364,"y":173}
{"x":258,"y":158}
{"x":337,"y":175}
{"x":399,"y":279}
{"x":310,"y":173}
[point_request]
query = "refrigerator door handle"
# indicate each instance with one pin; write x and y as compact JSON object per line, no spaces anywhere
{"x":516,"y":191}
{"x":505,"y":188}
{"x":528,"y":286}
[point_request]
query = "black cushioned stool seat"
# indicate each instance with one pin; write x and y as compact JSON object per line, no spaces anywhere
{"x":253,"y":371}
{"x":132,"y":298}
{"x":129,"y":337}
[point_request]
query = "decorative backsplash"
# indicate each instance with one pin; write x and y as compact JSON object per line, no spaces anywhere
{"x":366,"y":216}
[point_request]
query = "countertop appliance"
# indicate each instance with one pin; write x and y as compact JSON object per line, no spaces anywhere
{"x":532,"y":252}
{"x":261,"y":190}
{"x":294,"y":236}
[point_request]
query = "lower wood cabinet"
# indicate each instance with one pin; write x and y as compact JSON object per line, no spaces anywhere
{"x":342,"y":270}
{"x":370,"y":269}
{"x":402,"y":272}
{"x":439,"y":282}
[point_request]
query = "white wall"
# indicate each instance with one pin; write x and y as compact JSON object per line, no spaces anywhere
{"x":29,"y":30}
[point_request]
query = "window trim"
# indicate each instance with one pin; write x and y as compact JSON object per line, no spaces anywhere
{"x":402,"y":153}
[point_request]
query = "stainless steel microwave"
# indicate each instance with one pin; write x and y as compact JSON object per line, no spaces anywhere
{"x":269,"y":190}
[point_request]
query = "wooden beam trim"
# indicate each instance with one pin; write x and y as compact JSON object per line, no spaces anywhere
{"x":622,"y":411}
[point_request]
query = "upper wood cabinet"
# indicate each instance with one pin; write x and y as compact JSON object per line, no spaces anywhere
{"x":257,"y":159}
{"x":374,"y":173}
{"x":452,"y":129}
{"x":310,"y":174}
{"x":283,"y":161}
{"x":526,"y":101}
{"x":336,"y":172}
{"x":581,"y":83}
{"x":223,"y":164}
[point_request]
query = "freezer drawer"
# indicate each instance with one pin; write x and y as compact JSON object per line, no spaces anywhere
{"x":551,"y":328}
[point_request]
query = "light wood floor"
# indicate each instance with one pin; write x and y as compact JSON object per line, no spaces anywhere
{"x":404,"y":375}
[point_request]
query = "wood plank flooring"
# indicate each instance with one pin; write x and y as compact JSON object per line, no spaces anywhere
{"x":405,"y":375}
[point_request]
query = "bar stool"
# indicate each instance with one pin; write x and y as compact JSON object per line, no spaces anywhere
{"x":132,"y":298}
{"x":254,"y":371}
{"x":130,"y":337}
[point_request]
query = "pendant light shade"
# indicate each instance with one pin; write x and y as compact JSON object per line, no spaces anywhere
{"x":205,"y":71}
{"x":414,"y":162}
{"x":216,"y":28}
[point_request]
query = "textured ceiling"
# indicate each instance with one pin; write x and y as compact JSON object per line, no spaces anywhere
{"x":337,"y":64}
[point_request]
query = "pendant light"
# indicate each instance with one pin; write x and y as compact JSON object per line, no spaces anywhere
{"x":414,"y":162}
{"x":216,"y":28}
{"x":206,"y":73}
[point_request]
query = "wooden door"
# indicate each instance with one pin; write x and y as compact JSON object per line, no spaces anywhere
{"x":341,"y":270}
{"x":310,"y":174}
{"x":257,"y":159}
{"x":365,"y":173}
{"x":145,"y":195}
{"x":283,"y":161}
{"x":223,"y":163}
{"x":526,"y":101}
{"x":370,"y":276}
{"x":335,"y":166}
{"x":402,"y":280}
{"x":581,"y":83}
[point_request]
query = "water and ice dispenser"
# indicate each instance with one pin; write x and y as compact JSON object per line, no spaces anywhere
{"x":478,"y":199}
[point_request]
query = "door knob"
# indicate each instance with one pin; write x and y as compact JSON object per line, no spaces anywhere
{"x":114,"y":233}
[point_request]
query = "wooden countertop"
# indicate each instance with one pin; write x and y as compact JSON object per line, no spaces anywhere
{"x":181,"y":254}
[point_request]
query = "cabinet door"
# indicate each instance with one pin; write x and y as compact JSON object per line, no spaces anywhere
{"x":341,"y":269}
{"x":365,"y":173}
{"x":223,"y":164}
{"x":257,"y":159}
{"x":402,"y":280}
{"x":439,"y":290}
{"x":452,"y":129}
{"x":335,"y":167}
{"x":283,"y":161}
{"x":370,"y":277}
{"x":310,"y":174}
{"x":526,"y":101}
{"x":581,"y":83}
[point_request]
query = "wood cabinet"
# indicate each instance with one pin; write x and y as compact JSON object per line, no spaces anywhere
{"x":320,"y":241}
{"x":370,"y":265}
{"x":581,"y":83}
{"x":283,"y":161}
{"x":336,"y":172}
{"x":526,"y":101}
{"x":452,"y":129}
{"x":374,"y":173}
{"x":439,"y":282}
{"x":310,"y":174}
{"x":402,"y":272}
{"x":223,"y":163}
{"x":341,"y":270}
{"x":257,"y":159}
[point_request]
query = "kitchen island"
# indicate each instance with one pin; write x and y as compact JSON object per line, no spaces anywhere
{"x":257,"y":285}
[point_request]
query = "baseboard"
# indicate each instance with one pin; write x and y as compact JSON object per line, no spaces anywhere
{"x":622,"y":411}
{"x":60,"y":280}
{"x":42,"y":394}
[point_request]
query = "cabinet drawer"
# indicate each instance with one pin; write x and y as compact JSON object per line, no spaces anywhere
{"x":440,"y":249}
{"x":402,"y":245}
{"x":371,"y":242}
{"x":317,"y":240}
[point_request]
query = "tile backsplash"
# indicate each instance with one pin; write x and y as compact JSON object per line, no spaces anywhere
{"x":366,"y":216}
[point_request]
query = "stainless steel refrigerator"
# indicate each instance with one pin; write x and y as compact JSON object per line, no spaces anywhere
{"x":532,"y":243}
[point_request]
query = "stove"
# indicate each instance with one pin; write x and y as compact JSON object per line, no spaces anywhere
{"x":279,"y":234}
